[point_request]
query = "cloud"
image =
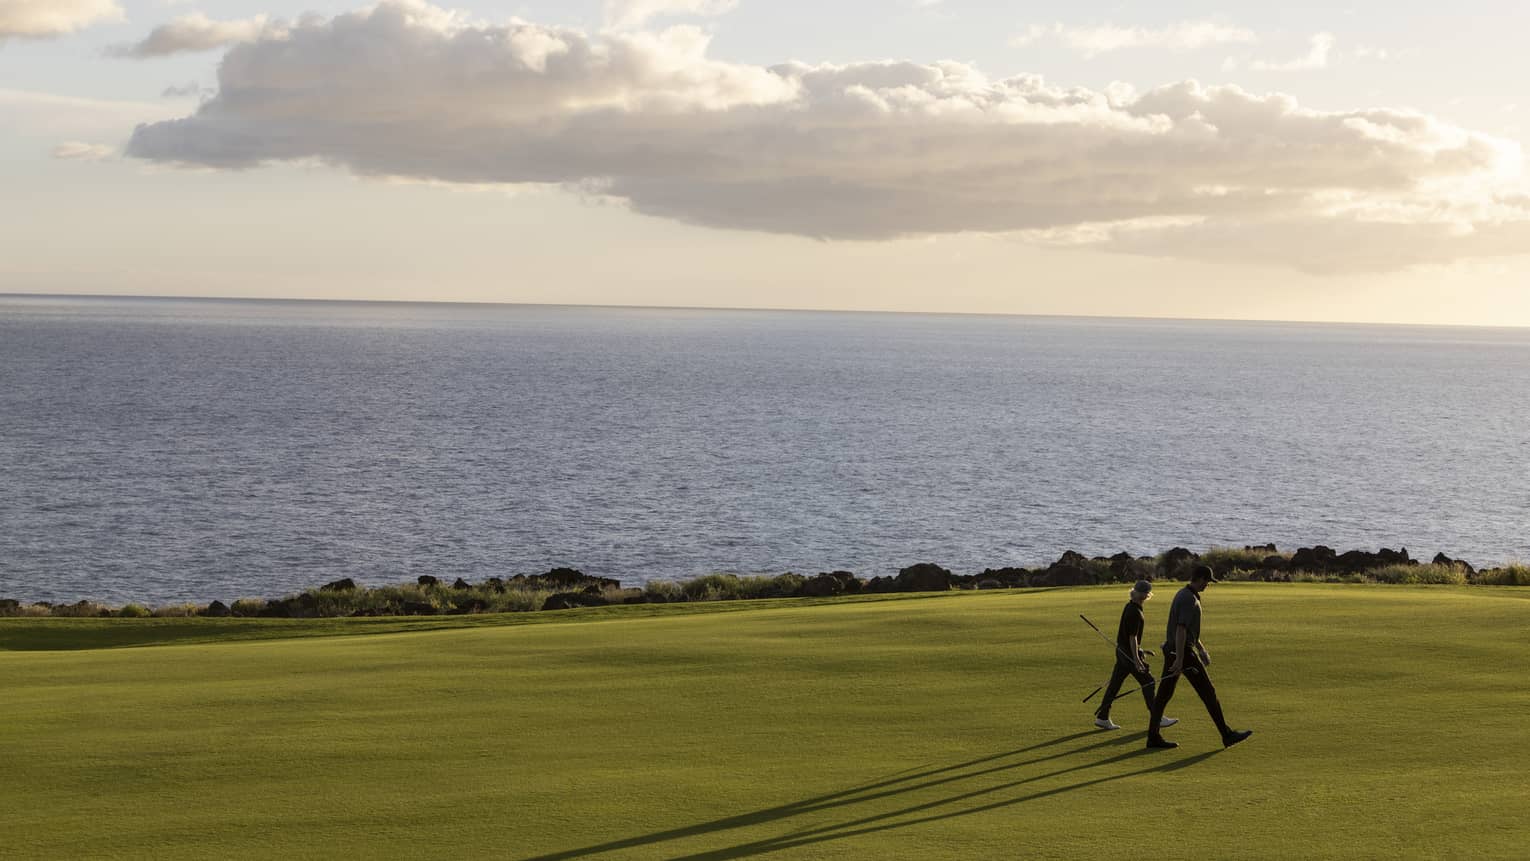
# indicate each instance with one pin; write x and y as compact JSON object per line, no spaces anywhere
{"x":864,"y":151}
{"x":1093,"y":41}
{"x":625,"y":14}
{"x":79,"y":151}
{"x":44,"y":19}
{"x":1321,"y":46}
{"x":194,"y":32}
{"x":185,"y":91}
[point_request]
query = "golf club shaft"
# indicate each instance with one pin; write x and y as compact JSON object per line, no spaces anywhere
{"x":1154,"y":682}
{"x":1115,"y":646}
{"x":1112,"y":643}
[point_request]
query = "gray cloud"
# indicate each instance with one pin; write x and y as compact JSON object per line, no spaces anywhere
{"x":192,"y":33}
{"x":864,"y":151}
{"x":44,"y":19}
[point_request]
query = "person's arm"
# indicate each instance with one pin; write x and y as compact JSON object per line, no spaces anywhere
{"x":1205,"y":655}
{"x":1136,"y":652}
{"x":1180,"y":633}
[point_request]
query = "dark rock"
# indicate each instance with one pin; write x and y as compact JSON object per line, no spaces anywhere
{"x":1319,"y":558}
{"x":1125,"y":568}
{"x":427,"y":580}
{"x":472,"y":605}
{"x":1063,"y":575}
{"x":216,"y":610}
{"x":1267,"y":548}
{"x":849,"y":581}
{"x":343,"y":585}
{"x":570,"y":578}
{"x":1270,"y":575}
{"x":1177,"y":562}
{"x":924,"y":577}
{"x":1459,"y":564}
{"x":1069,"y":557}
{"x":418,"y":608}
{"x":495,"y":583}
{"x":1274,"y":563}
{"x":1359,"y":561}
{"x":570,"y":600}
{"x":1011,"y":577}
{"x":879,"y":586}
{"x":591,"y":589}
{"x":831,"y":584}
{"x":462,"y":584}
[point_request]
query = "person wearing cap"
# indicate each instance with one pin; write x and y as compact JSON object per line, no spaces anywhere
{"x":1130,"y":658}
{"x":1184,"y":654}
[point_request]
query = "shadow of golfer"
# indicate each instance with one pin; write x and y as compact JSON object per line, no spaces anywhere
{"x":917,"y":779}
{"x":879,"y":822}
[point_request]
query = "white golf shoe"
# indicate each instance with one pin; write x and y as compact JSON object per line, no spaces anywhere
{"x":1106,"y":723}
{"x":1168,"y":721}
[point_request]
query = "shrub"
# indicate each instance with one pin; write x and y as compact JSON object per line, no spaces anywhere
{"x":663,"y":591}
{"x":1413,"y":574}
{"x":133,"y":611}
{"x":1226,"y":560}
{"x":1513,"y":574}
{"x":247,"y":607}
{"x":712,"y":587}
{"x":175,"y":611}
{"x":80,"y":609}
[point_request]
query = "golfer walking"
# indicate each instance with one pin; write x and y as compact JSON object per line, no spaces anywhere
{"x":1130,"y":658}
{"x":1185,"y":655}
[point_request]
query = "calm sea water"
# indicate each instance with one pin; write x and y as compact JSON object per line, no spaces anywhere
{"x":163,"y":449}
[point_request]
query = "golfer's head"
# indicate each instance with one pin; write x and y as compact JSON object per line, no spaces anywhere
{"x":1201,"y":576}
{"x":1142,"y":591}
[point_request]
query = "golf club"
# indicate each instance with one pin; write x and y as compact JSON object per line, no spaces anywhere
{"x":1113,"y":645}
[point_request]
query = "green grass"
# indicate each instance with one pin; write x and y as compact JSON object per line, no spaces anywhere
{"x":1390,"y":722}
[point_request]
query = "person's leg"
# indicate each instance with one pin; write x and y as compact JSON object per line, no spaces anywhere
{"x":1148,"y":687}
{"x":1118,"y":675}
{"x":1161,"y":699}
{"x":1196,"y":672}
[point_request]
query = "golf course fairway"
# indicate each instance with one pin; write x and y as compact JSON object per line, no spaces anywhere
{"x":1389,"y":721}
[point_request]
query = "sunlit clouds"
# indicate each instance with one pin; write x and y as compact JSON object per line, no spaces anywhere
{"x":865,"y":151}
{"x":44,"y":19}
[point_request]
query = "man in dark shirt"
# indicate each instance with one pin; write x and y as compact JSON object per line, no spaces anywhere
{"x":1130,"y":658}
{"x":1184,"y":654}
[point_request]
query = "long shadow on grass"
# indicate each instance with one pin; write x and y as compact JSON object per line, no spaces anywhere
{"x":915,"y":780}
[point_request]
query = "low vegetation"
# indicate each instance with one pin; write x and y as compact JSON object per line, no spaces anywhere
{"x":564,"y":588}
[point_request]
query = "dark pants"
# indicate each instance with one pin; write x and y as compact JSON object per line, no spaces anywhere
{"x":1195,"y":671}
{"x":1117,"y":677}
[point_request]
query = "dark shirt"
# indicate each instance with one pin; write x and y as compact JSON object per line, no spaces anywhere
{"x":1186,"y":610}
{"x":1132,"y":620}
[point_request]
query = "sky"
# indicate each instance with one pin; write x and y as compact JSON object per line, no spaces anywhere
{"x":1300,"y":161}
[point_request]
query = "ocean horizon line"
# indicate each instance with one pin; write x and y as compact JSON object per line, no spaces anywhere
{"x":277,"y":300}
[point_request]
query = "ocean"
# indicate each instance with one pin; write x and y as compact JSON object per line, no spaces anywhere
{"x":160,"y":450}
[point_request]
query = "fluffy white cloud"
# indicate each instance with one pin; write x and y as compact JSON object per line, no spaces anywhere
{"x":1094,"y":41}
{"x":195,"y":32}
{"x":80,"y":151}
{"x":622,"y":14}
{"x":862,"y":151}
{"x":42,"y":19}
{"x":1320,"y":46}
